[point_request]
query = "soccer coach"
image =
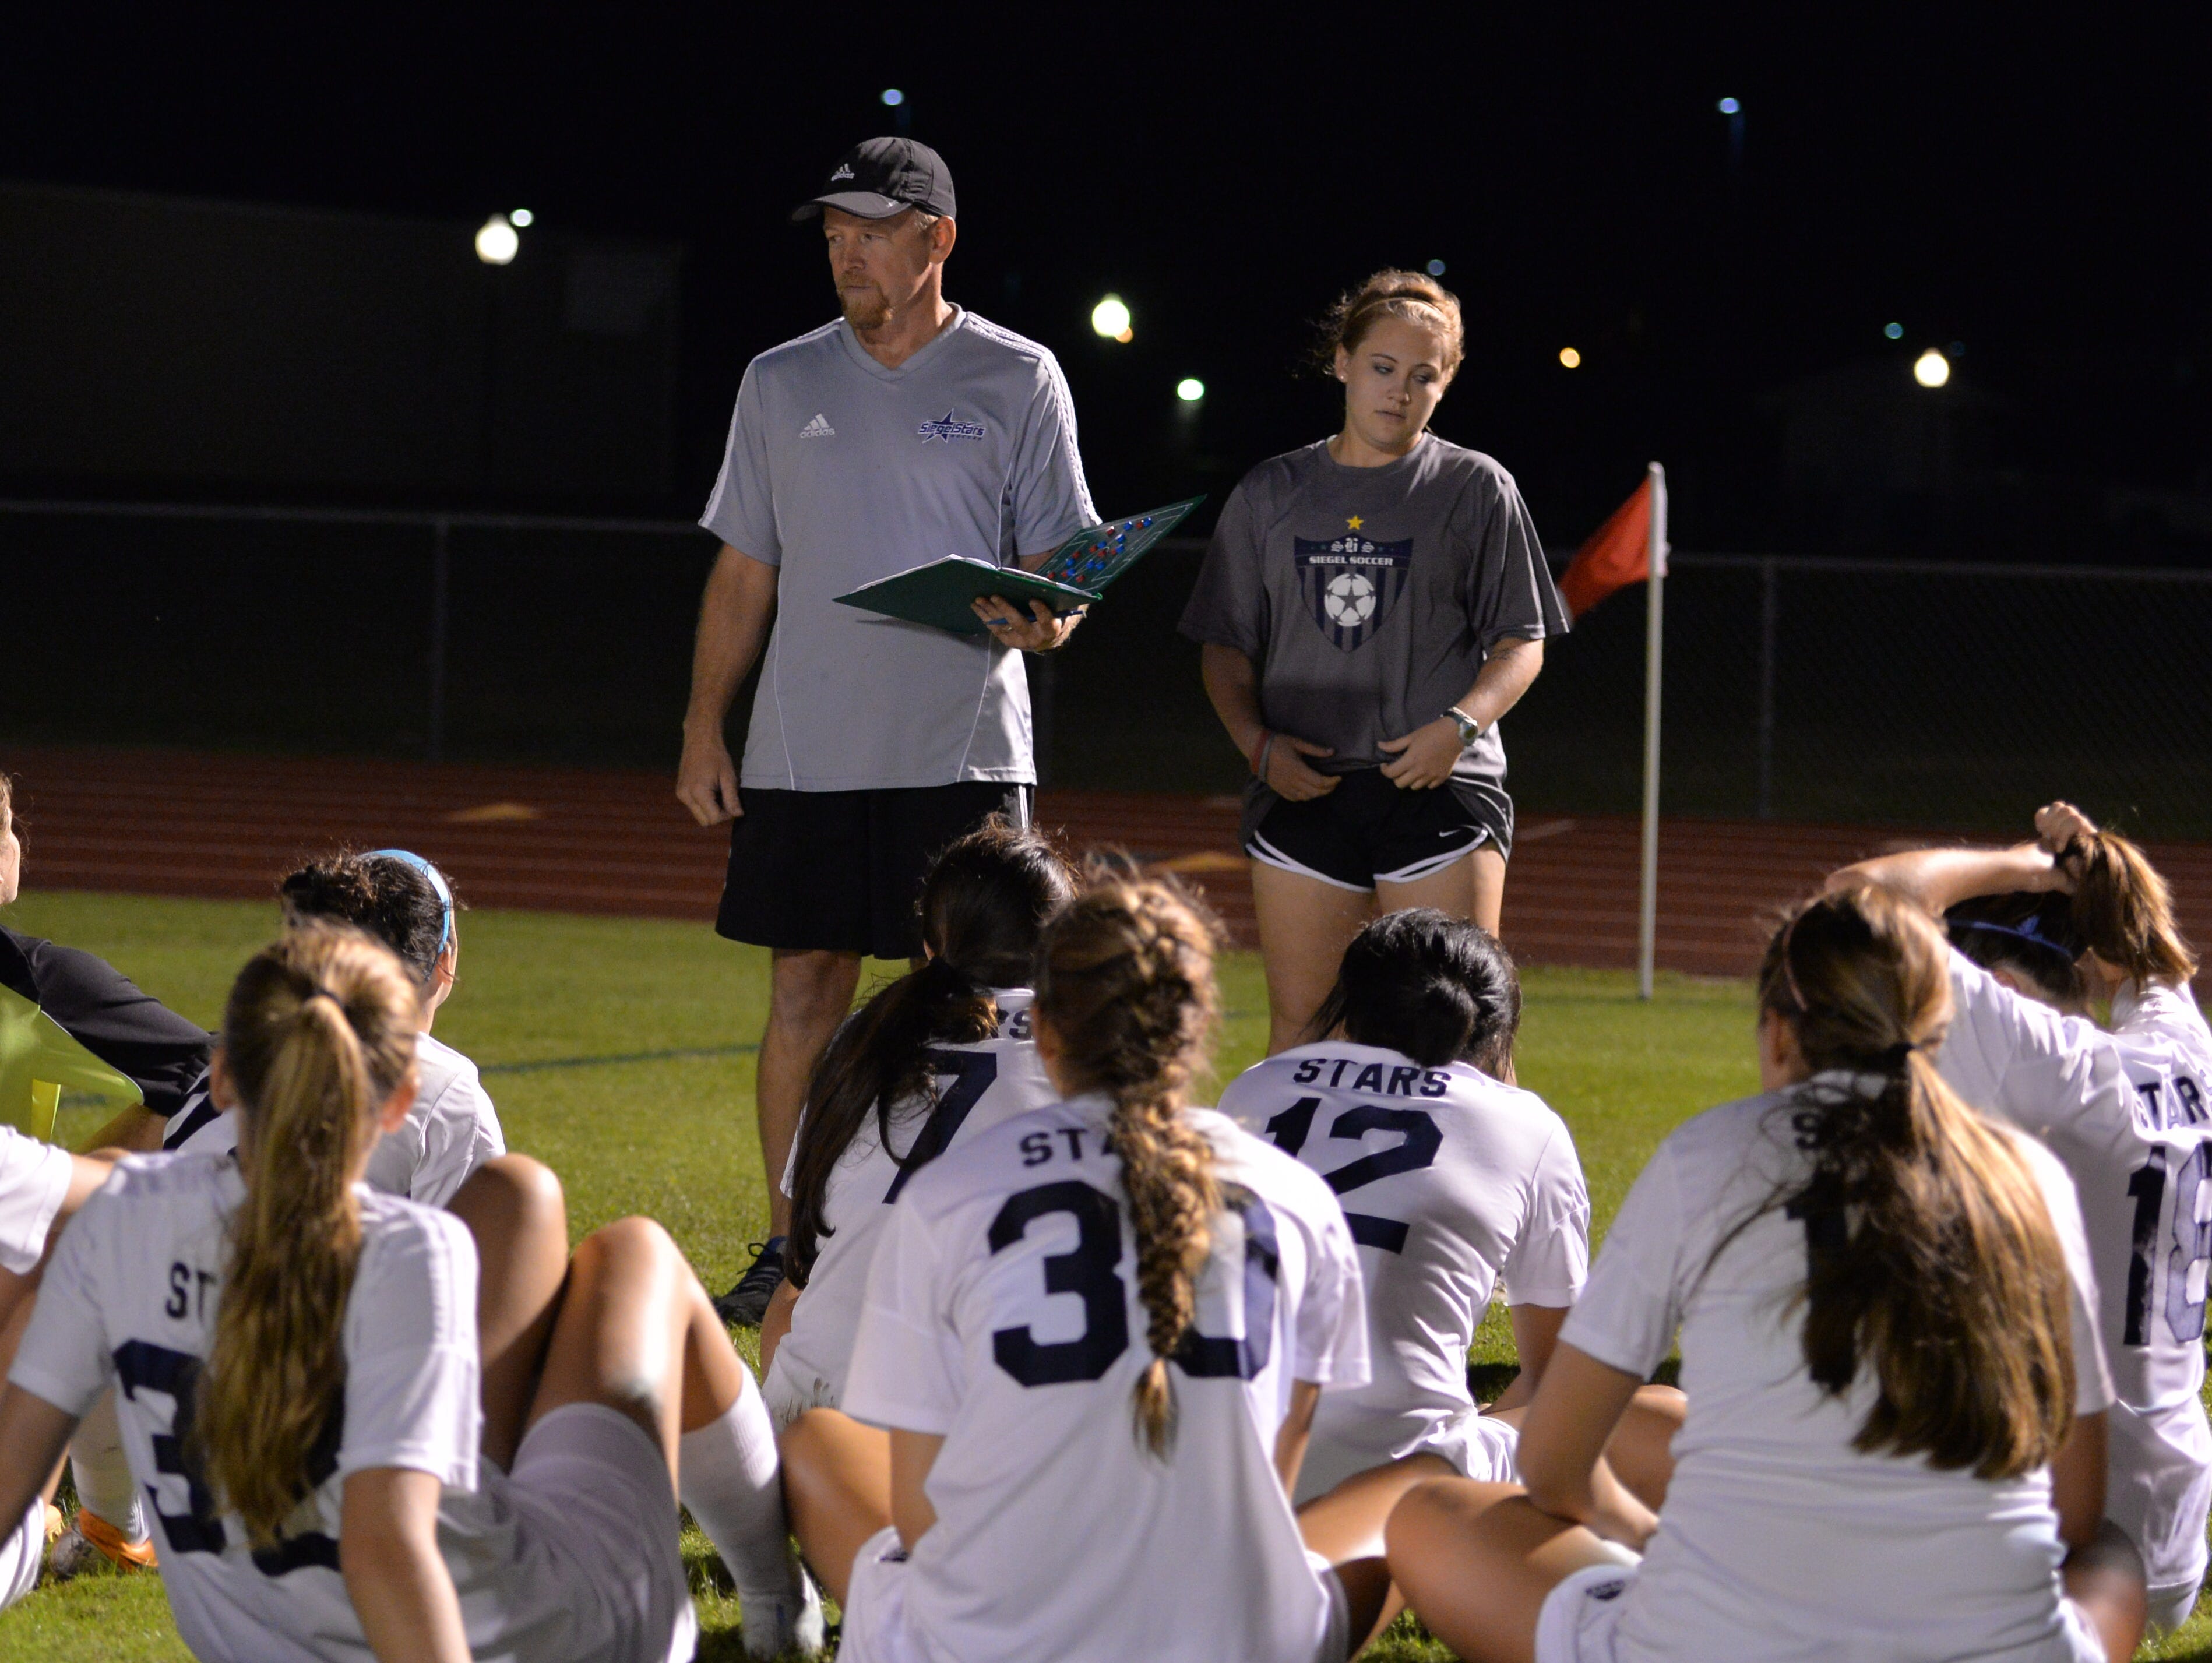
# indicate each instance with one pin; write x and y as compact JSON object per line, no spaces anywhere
{"x":907,"y":430}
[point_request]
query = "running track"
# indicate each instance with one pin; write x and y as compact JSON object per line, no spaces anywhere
{"x":569,"y":840}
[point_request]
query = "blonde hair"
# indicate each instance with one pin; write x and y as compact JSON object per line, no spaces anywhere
{"x":1408,"y":296}
{"x":1934,"y":1261}
{"x":2124,"y":911}
{"x":319,"y":1033}
{"x":1125,"y":983}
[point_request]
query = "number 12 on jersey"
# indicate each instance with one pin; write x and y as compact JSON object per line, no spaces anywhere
{"x":1420,"y":1139}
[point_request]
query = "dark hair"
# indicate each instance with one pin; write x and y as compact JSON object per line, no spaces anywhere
{"x":1434,"y":987}
{"x":388,"y":897}
{"x":982,"y":907}
{"x":1408,"y":296}
{"x":2029,"y":933}
{"x":1125,"y":986}
{"x":2124,"y":912}
{"x":1934,"y":1260}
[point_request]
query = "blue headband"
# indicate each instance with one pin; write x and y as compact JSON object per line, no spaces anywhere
{"x":443,"y":890}
{"x":2028,"y":935}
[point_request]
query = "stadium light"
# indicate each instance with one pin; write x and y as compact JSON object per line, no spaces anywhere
{"x":1931,"y":368}
{"x":497,"y":241}
{"x":1729,"y":107}
{"x":1190,"y":389}
{"x":894,"y":97}
{"x":1571,"y":358}
{"x":1436,"y":268}
{"x":1893,"y":331}
{"x":520,"y":219}
{"x":1110,"y":318}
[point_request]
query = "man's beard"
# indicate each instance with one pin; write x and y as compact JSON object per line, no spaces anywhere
{"x":866,"y":307}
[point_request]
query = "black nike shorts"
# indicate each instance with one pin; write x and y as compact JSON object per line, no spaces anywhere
{"x":842,"y":870}
{"x":1368,"y":831}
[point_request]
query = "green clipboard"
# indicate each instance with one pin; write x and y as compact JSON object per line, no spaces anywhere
{"x":1074,"y":575}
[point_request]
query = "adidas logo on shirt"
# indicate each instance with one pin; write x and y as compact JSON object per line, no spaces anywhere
{"x":819,"y":427}
{"x":843,"y":172}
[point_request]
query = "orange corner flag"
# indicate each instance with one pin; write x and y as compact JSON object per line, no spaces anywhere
{"x":1616,"y":555}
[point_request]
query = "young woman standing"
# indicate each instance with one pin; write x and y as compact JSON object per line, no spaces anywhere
{"x":298,"y":1368}
{"x":2130,"y":1112}
{"x":1370,"y":606}
{"x":1895,"y":1437}
{"x":1114,"y":1309}
{"x":941,"y":1054}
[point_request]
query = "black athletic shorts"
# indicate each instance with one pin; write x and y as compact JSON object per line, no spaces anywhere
{"x":1367,"y":829}
{"x":842,"y":870}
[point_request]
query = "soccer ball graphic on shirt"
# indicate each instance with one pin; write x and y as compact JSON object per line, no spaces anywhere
{"x":1349,"y":600}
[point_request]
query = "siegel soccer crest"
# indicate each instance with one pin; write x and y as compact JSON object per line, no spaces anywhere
{"x":1350,"y":584}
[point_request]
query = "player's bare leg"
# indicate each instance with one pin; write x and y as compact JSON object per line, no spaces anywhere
{"x":1345,"y":1527}
{"x":637,"y":1333}
{"x":1472,"y":890}
{"x":514,"y":1209}
{"x":837,"y":1484}
{"x":1641,"y":1450}
{"x":1475,"y":1561}
{"x":1305,"y":924}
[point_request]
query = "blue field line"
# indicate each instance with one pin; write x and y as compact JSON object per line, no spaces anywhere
{"x":619,"y":1058}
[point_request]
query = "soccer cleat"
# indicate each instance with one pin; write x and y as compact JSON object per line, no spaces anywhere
{"x":745,"y":1304}
{"x":773,"y":1624}
{"x":88,"y":1541}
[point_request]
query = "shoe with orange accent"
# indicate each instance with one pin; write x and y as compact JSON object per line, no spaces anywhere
{"x":90,"y":1539}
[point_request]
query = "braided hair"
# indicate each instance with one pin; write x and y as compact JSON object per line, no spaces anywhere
{"x":1125,"y":991}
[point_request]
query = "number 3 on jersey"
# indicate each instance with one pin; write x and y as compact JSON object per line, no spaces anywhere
{"x":1092,"y":1271}
{"x":2184,"y":1264}
{"x":1417,"y":1151}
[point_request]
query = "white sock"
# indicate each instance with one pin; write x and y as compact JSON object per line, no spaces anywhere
{"x":101,"y":1471}
{"x":728,"y":1474}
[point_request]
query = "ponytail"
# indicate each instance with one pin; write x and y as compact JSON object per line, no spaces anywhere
{"x":2124,"y":910}
{"x":985,"y":900}
{"x":319,"y":1033}
{"x":1125,"y":986}
{"x":1934,"y":1260}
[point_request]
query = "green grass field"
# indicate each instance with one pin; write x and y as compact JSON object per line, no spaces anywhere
{"x":619,"y":1053}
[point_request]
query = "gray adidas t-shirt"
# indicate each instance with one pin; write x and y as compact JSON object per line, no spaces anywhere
{"x":1369,"y":596}
{"x":838,"y":472}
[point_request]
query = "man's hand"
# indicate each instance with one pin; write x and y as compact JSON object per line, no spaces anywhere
{"x":1289,"y":777}
{"x":1038,"y":632}
{"x":1426,"y":756}
{"x":706,"y":780}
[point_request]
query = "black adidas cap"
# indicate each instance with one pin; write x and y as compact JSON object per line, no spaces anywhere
{"x":881,"y":177}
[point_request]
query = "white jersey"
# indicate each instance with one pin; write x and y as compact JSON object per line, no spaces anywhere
{"x":1002,"y":1315}
{"x":1449,"y":1180}
{"x":2130,"y":1112}
{"x":979,"y":1086}
{"x":1779,"y":1540}
{"x":35,"y":1181}
{"x":451,"y":1130}
{"x":131,"y":1298}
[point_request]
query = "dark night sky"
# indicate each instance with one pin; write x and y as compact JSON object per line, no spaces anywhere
{"x":2030,"y":182}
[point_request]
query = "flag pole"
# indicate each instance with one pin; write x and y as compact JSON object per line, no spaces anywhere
{"x":1647,"y":912}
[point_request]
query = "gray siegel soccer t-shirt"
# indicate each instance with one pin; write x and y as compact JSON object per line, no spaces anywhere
{"x":1369,"y":596}
{"x":838,"y":472}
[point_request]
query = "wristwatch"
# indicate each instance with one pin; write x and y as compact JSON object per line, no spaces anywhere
{"x":1469,"y":729}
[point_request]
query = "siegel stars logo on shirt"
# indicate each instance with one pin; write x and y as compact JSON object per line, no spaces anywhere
{"x":947,"y":428}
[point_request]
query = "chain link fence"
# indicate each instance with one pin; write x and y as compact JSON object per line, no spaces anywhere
{"x":1796,"y":688}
